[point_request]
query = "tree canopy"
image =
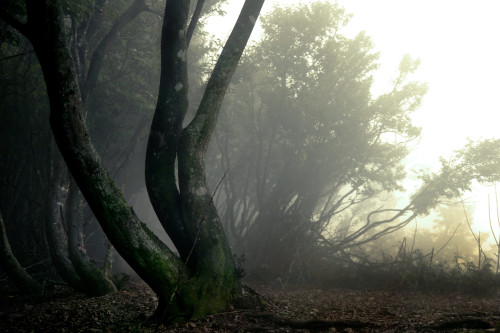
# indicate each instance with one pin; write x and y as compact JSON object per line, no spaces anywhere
{"x":302,"y":137}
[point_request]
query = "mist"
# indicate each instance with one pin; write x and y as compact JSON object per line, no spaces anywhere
{"x":307,"y":164}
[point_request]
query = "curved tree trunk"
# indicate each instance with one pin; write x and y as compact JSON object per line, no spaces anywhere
{"x":212,"y":254}
{"x":11,"y":266}
{"x":62,"y":226}
{"x":204,"y":278}
{"x":188,"y":213}
{"x":95,"y":280}
{"x":54,"y":214}
{"x":146,"y":254}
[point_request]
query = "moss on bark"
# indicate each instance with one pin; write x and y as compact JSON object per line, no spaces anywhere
{"x":94,"y":280}
{"x":204,"y":279}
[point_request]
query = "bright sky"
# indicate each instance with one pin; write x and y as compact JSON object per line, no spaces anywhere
{"x":458,"y":44}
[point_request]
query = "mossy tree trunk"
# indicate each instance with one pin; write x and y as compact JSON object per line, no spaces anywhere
{"x":62,"y":226}
{"x":95,"y":280}
{"x":146,"y":254}
{"x":187,"y":212}
{"x":204,"y":278}
{"x":67,"y":252}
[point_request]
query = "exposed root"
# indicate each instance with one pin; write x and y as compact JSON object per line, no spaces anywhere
{"x":466,"y":323}
{"x":313,"y":324}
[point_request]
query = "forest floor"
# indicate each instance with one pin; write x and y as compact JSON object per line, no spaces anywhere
{"x":262,"y":309}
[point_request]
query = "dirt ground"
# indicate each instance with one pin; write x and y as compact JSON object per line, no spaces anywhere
{"x":262,"y":309}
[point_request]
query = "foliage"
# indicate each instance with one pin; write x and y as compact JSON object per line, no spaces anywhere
{"x":307,"y":148}
{"x":303,"y":139}
{"x":477,"y":161}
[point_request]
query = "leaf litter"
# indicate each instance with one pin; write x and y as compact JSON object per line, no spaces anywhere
{"x":261,"y":309}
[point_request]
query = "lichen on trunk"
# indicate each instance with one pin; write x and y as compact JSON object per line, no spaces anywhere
{"x":203,"y":279}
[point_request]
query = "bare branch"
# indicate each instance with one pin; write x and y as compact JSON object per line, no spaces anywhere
{"x":449,"y":239}
{"x":194,"y":21}
{"x":135,"y":9}
{"x":16,"y":55}
{"x":491,"y":224}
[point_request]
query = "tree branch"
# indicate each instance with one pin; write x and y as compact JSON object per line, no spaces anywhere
{"x":98,"y":56}
{"x":166,"y":127}
{"x":194,"y":21}
{"x":202,"y":125}
{"x":16,"y":55}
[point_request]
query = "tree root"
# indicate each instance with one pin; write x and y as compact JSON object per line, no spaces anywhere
{"x":466,"y":323}
{"x":253,"y":300}
{"x":313,"y":324}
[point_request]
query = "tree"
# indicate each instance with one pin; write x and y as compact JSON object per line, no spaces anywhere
{"x":204,"y":278}
{"x":117,"y":112}
{"x":88,"y":49}
{"x":305,"y":142}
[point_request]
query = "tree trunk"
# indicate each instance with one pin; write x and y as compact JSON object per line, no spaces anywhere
{"x":146,"y":254}
{"x":62,"y":225}
{"x":95,"y":280}
{"x":188,"y":213}
{"x":12,"y":267}
{"x":54,"y":213}
{"x":203,"y":280}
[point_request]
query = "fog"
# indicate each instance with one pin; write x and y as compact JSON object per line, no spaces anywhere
{"x":458,"y":63}
{"x":447,"y":65}
{"x":340,"y":157}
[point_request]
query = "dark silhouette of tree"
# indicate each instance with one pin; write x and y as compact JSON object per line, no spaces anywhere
{"x":204,"y":278}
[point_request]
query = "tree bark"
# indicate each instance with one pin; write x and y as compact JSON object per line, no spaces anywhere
{"x":166,"y":127}
{"x":188,"y":213}
{"x":95,"y":280}
{"x":204,"y":278}
{"x":147,"y":255}
{"x":54,"y":213}
{"x":65,"y":248}
{"x":212,"y":255}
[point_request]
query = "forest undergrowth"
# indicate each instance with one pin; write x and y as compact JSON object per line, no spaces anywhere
{"x":391,"y":296}
{"x":413,"y":273}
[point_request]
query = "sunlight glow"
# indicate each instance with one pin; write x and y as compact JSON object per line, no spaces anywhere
{"x":457,"y":43}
